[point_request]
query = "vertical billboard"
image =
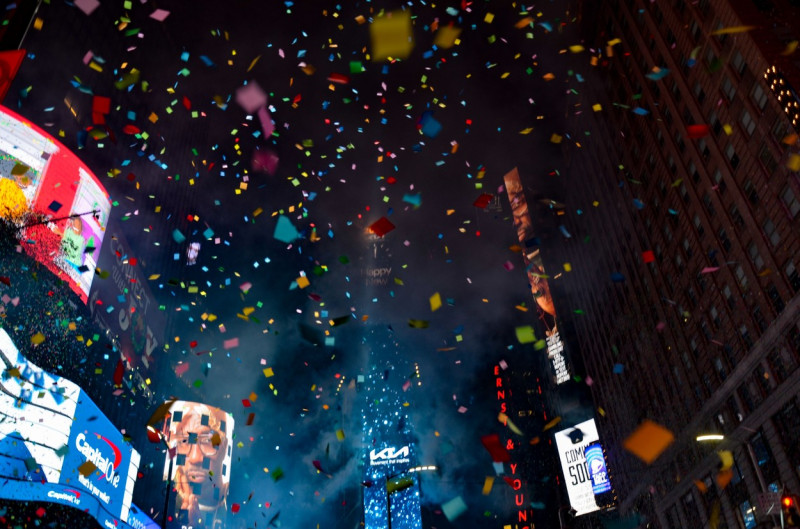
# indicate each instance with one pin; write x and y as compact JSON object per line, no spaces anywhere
{"x":123,"y":303}
{"x":56,"y":445}
{"x":54,"y":184}
{"x":537,"y":278}
{"x":200,"y":439}
{"x":571,"y":445}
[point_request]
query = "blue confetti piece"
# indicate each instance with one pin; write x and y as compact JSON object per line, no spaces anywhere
{"x":638,"y":204}
{"x":618,"y":369}
{"x":616,"y":277}
{"x":660,"y":74}
{"x":177,"y":236}
{"x":640,"y":111}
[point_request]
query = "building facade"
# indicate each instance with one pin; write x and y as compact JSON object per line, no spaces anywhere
{"x":685,"y":241}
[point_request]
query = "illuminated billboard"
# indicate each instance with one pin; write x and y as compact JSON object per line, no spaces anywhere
{"x":54,"y":183}
{"x":537,"y":278}
{"x":598,"y":473}
{"x":200,"y":438}
{"x":571,"y":445}
{"x":123,"y":303}
{"x":56,"y":445}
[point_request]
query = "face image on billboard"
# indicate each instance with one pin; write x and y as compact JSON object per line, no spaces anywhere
{"x":201,"y":440}
{"x":56,"y":445}
{"x":54,"y":183}
{"x":571,"y":445}
{"x":534,"y":267}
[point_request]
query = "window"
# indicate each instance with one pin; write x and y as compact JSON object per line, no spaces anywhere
{"x":728,"y":88}
{"x":716,"y":126}
{"x":792,"y":204}
{"x":736,"y":217}
{"x":744,"y":332}
{"x":692,"y":170}
{"x":767,"y":160}
{"x":684,"y":192}
{"x":750,"y":191}
{"x":723,"y":239}
{"x":691,"y":296}
{"x":771,"y":232}
{"x":740,"y":275}
{"x":755,"y":256}
{"x":694,"y":28}
{"x":792,"y":275}
{"x":721,"y":185}
{"x":764,"y":457}
{"x":726,"y":291}
{"x":699,"y":93}
{"x":709,"y":205}
{"x":738,"y":64}
{"x":758,"y":317}
{"x":703,"y":148}
{"x":787,"y":422}
{"x":775,"y":298}
{"x":733,"y":158}
{"x":719,"y":365}
{"x":782,"y":363}
{"x":714,"y":313}
{"x":759,"y":96}
{"x":698,"y":225}
{"x":687,"y":247}
{"x":747,"y":515}
{"x":679,"y":263}
{"x":747,"y":123}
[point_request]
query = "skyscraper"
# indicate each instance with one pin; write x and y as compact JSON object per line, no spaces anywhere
{"x":685,"y":241}
{"x":391,"y":489}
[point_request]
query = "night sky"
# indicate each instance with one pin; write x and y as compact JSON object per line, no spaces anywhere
{"x":356,"y":141}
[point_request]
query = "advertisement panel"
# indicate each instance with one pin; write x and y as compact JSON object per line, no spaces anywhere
{"x":537,"y":278}
{"x":57,"y":185}
{"x":124,"y":304}
{"x":571,"y":445}
{"x":56,"y":445}
{"x":200,"y":438}
{"x":598,"y":473}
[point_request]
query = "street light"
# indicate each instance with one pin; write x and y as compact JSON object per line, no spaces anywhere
{"x":156,"y":436}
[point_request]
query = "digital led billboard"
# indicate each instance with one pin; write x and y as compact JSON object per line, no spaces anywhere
{"x":55,"y":184}
{"x":537,"y":278}
{"x":571,"y":445}
{"x":200,"y":438}
{"x":56,"y":445}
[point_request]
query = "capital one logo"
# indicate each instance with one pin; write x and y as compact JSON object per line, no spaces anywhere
{"x":106,"y":465}
{"x":388,"y":455}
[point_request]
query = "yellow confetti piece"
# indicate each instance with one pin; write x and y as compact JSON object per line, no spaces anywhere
{"x":793,"y":163}
{"x":555,"y":138}
{"x":435,"y":302}
{"x":526,"y":131}
{"x":37,"y":338}
{"x":253,"y":63}
{"x":488,"y":18}
{"x":38,"y":23}
{"x":790,"y":48}
{"x":302,"y":282}
{"x":597,"y":107}
{"x":567,"y":267}
{"x":732,"y":29}
{"x":728,"y":129}
{"x":576,"y":48}
{"x":487,"y":485}
{"x":268,"y":372}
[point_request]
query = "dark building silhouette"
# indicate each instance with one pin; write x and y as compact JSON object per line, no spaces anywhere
{"x":685,"y":225}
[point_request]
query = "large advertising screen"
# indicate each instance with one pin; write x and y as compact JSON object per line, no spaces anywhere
{"x":56,"y":445}
{"x":124,"y":304}
{"x":571,"y":445}
{"x":53,"y":183}
{"x":200,"y":439}
{"x":537,"y":278}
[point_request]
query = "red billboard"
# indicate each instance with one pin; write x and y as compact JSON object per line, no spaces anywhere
{"x":70,"y":206}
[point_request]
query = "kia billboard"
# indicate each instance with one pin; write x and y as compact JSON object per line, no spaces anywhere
{"x":200,"y":440}
{"x":69,"y":203}
{"x":56,"y":445}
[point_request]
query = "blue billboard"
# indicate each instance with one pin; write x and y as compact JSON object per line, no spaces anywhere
{"x":598,"y":473}
{"x":56,"y":445}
